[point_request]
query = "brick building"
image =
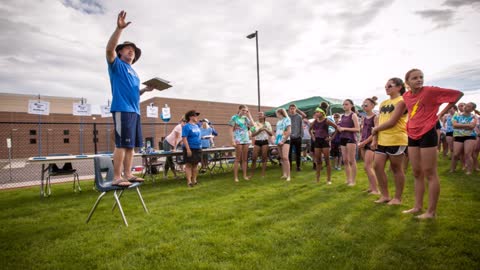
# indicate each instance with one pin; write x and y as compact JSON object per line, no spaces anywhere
{"x":62,"y":132}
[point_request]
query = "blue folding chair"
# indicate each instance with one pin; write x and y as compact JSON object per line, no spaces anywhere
{"x":103,"y":164}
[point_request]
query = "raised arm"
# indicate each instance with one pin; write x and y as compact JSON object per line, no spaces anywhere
{"x":113,"y":41}
{"x":301,"y":113}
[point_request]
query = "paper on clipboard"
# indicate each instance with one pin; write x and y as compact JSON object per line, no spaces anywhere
{"x":158,"y":83}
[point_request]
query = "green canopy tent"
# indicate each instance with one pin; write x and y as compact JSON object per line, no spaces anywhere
{"x":309,"y":105}
{"x":338,"y":108}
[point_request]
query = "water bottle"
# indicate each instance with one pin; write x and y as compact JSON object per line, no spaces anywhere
{"x":148,"y":150}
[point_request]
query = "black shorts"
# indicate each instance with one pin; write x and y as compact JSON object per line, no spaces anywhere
{"x":321,"y":143}
{"x":438,"y":125}
{"x":391,"y":150}
{"x":128,"y":129}
{"x":335,"y":150}
{"x":367,"y":147}
{"x":194,"y":159}
{"x":449,"y":134}
{"x":345,"y":141}
{"x":261,"y":142}
{"x":429,"y":139}
{"x":462,"y":139}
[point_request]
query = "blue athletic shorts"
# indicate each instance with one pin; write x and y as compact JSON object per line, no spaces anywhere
{"x":128,"y":130}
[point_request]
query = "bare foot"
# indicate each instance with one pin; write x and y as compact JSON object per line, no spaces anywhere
{"x":395,"y":202}
{"x":382,"y":200}
{"x":288,"y":179}
{"x":236,"y":180}
{"x":374,"y":192}
{"x":351,"y":184}
{"x":412,"y":211}
{"x":329,"y":182}
{"x":246,"y":178}
{"x":283,"y":177}
{"x":426,"y":216}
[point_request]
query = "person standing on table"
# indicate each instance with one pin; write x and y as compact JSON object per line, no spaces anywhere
{"x":296,"y":117}
{"x":423,"y":103}
{"x":282,"y":140}
{"x":170,"y":143}
{"x":261,"y":131}
{"x":192,"y":146}
{"x":207,"y":138}
{"x":125,"y":106}
{"x":240,"y":135}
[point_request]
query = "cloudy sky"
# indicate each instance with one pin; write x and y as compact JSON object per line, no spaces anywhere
{"x":338,"y":49}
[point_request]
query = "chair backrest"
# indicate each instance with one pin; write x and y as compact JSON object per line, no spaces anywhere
{"x":103,"y":164}
{"x":53,"y":168}
{"x":67,"y":166}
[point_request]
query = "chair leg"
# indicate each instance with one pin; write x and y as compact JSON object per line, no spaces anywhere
{"x":120,"y":208}
{"x":48,"y":189}
{"x":75,"y":175}
{"x":95,"y":206}
{"x":115,"y":202}
{"x":141,"y":199}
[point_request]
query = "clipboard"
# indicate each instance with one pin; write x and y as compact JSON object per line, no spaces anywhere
{"x":158,"y":83}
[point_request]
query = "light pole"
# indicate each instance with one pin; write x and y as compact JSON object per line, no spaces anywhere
{"x":255,"y":35}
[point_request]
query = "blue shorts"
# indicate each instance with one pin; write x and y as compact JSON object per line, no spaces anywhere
{"x":128,"y":130}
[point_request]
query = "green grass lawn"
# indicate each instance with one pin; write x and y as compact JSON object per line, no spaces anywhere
{"x":260,"y":224}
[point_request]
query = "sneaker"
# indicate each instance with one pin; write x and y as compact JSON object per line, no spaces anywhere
{"x":329,"y":182}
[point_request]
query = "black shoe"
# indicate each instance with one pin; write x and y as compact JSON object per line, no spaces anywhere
{"x":299,"y":169}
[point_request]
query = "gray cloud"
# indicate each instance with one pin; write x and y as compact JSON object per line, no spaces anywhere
{"x":441,"y":18}
{"x":460,"y":3}
{"x":464,"y":77}
{"x":85,"y":6}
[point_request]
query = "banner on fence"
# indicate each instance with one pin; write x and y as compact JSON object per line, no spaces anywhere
{"x":152,"y":112}
{"x":80,"y":109}
{"x":38,"y":107}
{"x":105,"y":110}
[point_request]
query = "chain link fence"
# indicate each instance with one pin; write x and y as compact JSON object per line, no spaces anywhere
{"x":34,"y":139}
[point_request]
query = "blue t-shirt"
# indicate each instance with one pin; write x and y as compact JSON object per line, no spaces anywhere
{"x":125,"y":87}
{"x":193,"y":134}
{"x":206,"y":132}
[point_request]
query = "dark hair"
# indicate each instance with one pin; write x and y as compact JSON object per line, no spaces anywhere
{"x":455,"y":107}
{"x":190,"y":114}
{"x":351,"y":102}
{"x":292,"y":105}
{"x":372,"y":100}
{"x":324,"y":106}
{"x":474,"y":105}
{"x":399,"y":82}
